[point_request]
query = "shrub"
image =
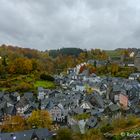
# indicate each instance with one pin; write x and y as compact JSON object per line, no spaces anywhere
{"x":64,"y":134}
{"x":23,"y":86}
{"x":46,"y":77}
{"x":106,"y":128}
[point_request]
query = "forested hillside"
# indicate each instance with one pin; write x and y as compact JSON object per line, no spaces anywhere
{"x":21,"y":68}
{"x":65,"y":51}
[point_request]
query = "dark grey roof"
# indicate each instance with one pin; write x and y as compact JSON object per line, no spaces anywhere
{"x":40,"y":89}
{"x":24,"y":135}
{"x":116,"y":88}
{"x":41,"y":133}
{"x":28,"y":95}
{"x":92,"y":122}
{"x":34,"y":105}
{"x":137,"y":110}
{"x":22,"y":103}
{"x":96,"y":98}
{"x":15,"y":94}
{"x":138,"y":55}
{"x":50,"y":105}
{"x":7,"y":98}
{"x":1,"y":94}
{"x":78,"y":110}
{"x":10,"y":110}
{"x":95,"y":112}
{"x":114,"y":107}
{"x":2,"y":104}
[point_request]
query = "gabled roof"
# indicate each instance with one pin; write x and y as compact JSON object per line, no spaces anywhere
{"x":116,"y":88}
{"x":114,"y":107}
{"x":1,"y":94}
{"x":41,"y":133}
{"x":138,"y":55}
{"x":92,"y":122}
{"x":10,"y":110}
{"x":96,"y":98}
{"x":7,"y":98}
{"x":95,"y":112}
{"x":22,"y":103}
{"x":28,"y":95}
{"x":2,"y":104}
{"x":78,"y":110}
{"x":15,"y":94}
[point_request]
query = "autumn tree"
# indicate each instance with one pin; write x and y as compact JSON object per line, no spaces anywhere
{"x":64,"y":134}
{"x":13,"y":124}
{"x":21,"y":66}
{"x":82,"y":57}
{"x":82,"y":68}
{"x":91,"y":68}
{"x":93,"y":134}
{"x":39,"y":119}
{"x":24,"y":87}
{"x":114,"y":68}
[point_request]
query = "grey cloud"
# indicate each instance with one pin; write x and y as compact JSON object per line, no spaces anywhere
{"x":48,"y":24}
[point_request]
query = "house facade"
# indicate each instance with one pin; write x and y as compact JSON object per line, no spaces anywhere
{"x":137,"y":61}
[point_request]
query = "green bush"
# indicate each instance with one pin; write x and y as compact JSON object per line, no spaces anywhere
{"x":130,"y":123}
{"x":106,"y":128}
{"x":64,"y":134}
{"x":46,"y":77}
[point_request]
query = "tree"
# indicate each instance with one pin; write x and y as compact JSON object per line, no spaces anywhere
{"x":106,"y":128}
{"x":82,"y":68}
{"x":39,"y":119}
{"x":21,"y":66}
{"x":95,"y":63}
{"x":93,"y":134}
{"x":64,"y":134}
{"x":13,"y":124}
{"x":44,"y":76}
{"x":23,"y":86}
{"x":91,"y":68}
{"x":82,"y":57}
{"x":114,"y":68}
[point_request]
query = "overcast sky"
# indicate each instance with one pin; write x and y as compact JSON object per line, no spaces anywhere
{"x":51,"y":24}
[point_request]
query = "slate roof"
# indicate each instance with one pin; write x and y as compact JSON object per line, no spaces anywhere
{"x":114,"y":107}
{"x":15,"y":94}
{"x":95,"y":112}
{"x":10,"y":110}
{"x":7,"y":98}
{"x":78,"y":110}
{"x":92,"y":122}
{"x":22,"y":103}
{"x":116,"y":88}
{"x":41,"y":133}
{"x":2,"y":104}
{"x":40,"y":89}
{"x":28,"y":95}
{"x":1,"y":94}
{"x":138,"y":55}
{"x":96,"y":98}
{"x":137,"y":110}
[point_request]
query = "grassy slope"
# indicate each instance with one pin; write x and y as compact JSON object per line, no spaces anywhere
{"x":44,"y":84}
{"x":16,"y":80}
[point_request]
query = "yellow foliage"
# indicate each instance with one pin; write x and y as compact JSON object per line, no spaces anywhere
{"x":39,"y":119}
{"x":13,"y":123}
